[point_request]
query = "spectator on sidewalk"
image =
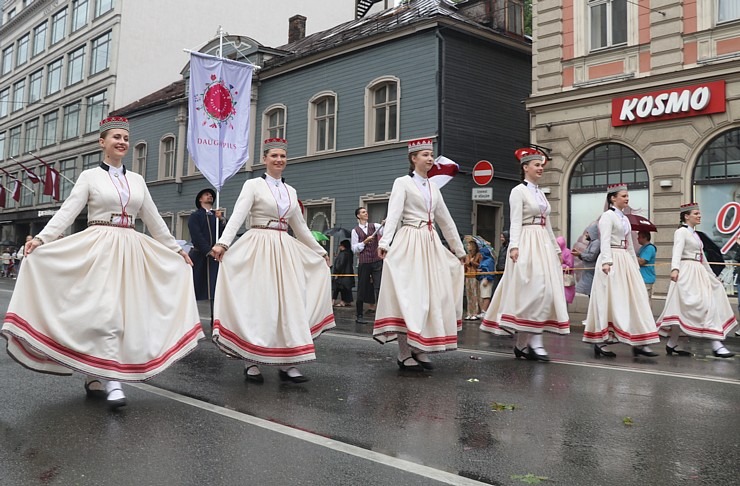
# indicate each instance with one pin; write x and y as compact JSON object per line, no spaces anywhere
{"x":342,"y":285}
{"x":6,"y":257}
{"x":646,"y":259}
{"x":486,"y":282}
{"x":588,"y":257}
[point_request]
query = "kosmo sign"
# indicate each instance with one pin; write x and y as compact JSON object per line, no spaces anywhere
{"x":700,"y":99}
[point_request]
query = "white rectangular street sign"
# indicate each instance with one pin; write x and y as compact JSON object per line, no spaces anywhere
{"x":483,"y":194}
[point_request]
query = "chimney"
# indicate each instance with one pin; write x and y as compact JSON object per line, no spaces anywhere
{"x":296,"y":28}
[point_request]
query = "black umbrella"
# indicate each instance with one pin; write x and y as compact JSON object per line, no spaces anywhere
{"x":338,"y":232}
{"x":712,"y":253}
{"x":7,"y":243}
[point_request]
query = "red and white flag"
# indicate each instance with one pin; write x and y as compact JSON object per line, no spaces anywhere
{"x":31,"y":176}
{"x":51,"y":183}
{"x":17,"y":190}
{"x":2,"y":196}
{"x":218,"y":110}
{"x":443,"y":171}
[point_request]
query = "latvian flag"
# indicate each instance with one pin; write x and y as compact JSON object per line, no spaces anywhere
{"x":2,"y":196}
{"x":17,"y":190}
{"x":31,"y":176}
{"x":51,"y":183}
{"x":443,"y":171}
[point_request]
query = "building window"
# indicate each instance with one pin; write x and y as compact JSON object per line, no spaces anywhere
{"x":14,"y":141}
{"x":167,"y":157}
{"x":68,"y":169}
{"x":140,"y":159}
{"x":50,"y":128}
{"x":323,"y":110}
{"x":4,"y":102}
{"x":75,"y":66}
{"x":19,"y":94}
{"x":608,"y":20}
{"x":728,"y":10}
{"x":381,"y":106}
{"x":32,"y":135}
{"x":22,"y":55}
{"x":26,"y":194}
{"x":100,"y":53}
{"x":7,"y":60}
{"x":274,"y":122}
{"x":515,"y":17}
{"x":54,"y":77}
{"x":97,"y":107}
{"x":2,"y":145}
{"x":605,"y":164}
{"x":103,"y":6}
{"x":319,"y":218}
{"x":34,"y":86}
{"x":58,"y":26}
{"x":91,"y":160}
{"x":39,"y":39}
{"x":71,"y":122}
{"x":79,"y":14}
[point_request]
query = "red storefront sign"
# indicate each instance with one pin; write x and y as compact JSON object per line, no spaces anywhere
{"x":667,"y":104}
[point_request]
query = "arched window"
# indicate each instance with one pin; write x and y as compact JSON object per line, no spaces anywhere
{"x":273,"y":122}
{"x":139,"y":163}
{"x":322,"y":123}
{"x":602,"y":165}
{"x":382,"y":111}
{"x":167,"y":159}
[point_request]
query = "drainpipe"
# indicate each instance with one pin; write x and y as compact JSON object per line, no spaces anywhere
{"x":440,"y":91}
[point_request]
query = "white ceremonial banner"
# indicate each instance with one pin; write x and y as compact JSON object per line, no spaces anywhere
{"x":218,"y":111}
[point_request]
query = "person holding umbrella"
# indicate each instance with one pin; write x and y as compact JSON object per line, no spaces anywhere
{"x":273,"y":293}
{"x":697,"y":304}
{"x":619,"y":308}
{"x":202,"y":227}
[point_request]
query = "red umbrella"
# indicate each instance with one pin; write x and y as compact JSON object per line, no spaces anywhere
{"x":641,"y":223}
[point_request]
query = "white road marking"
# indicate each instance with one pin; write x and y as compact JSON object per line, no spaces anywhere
{"x":607,"y":367}
{"x":403,"y":465}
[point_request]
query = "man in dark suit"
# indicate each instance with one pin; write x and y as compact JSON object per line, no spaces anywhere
{"x":202,"y":226}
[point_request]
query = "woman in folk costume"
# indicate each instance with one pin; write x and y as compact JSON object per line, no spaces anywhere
{"x":697,"y":303}
{"x":273,"y":293}
{"x":420,"y":299}
{"x":619,"y":307}
{"x":530,"y":298}
{"x":108,"y":302}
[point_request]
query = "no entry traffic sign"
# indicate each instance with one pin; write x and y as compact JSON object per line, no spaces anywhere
{"x":482,"y":172}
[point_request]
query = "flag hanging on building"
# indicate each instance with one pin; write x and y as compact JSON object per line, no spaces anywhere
{"x":443,"y":171}
{"x":2,"y":196}
{"x":51,"y":183}
{"x":17,"y":190}
{"x":218,"y":111}
{"x":31,"y":176}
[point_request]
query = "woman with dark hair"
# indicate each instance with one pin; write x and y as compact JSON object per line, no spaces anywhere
{"x":342,"y":285}
{"x":472,"y":295}
{"x":420,"y":300}
{"x":108,"y":301}
{"x":273,"y":293}
{"x":697,"y":304}
{"x":530,"y":299}
{"x":619,"y":308}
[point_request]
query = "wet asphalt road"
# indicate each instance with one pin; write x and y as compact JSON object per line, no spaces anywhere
{"x":575,"y":421}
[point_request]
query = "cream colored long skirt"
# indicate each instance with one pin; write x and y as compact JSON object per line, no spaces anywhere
{"x":619,"y":304}
{"x":273,"y":298}
{"x":421,"y":292}
{"x":698,"y":304}
{"x":106,"y":301}
{"x":530,"y":296}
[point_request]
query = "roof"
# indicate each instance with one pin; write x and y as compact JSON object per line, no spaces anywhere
{"x":395,"y":18}
{"x":165,"y":95}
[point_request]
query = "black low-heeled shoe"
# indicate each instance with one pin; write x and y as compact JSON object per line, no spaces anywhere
{"x":92,"y":393}
{"x":532,"y":355}
{"x":670,"y":351}
{"x":258,"y":378}
{"x":728,"y":354}
{"x":405,"y":367}
{"x":427,"y":365}
{"x":638,"y":351}
{"x":522,"y":353}
{"x":599,"y":351}
{"x":284,"y":376}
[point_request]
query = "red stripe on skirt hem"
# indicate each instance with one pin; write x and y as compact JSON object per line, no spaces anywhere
{"x":248,"y":347}
{"x":699,"y":330}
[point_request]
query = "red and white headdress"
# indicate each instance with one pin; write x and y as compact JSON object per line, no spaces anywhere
{"x":114,"y":122}
{"x":528,"y":154}
{"x":616,"y":187}
{"x":690,"y":206}
{"x":276,"y":143}
{"x":421,"y":144}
